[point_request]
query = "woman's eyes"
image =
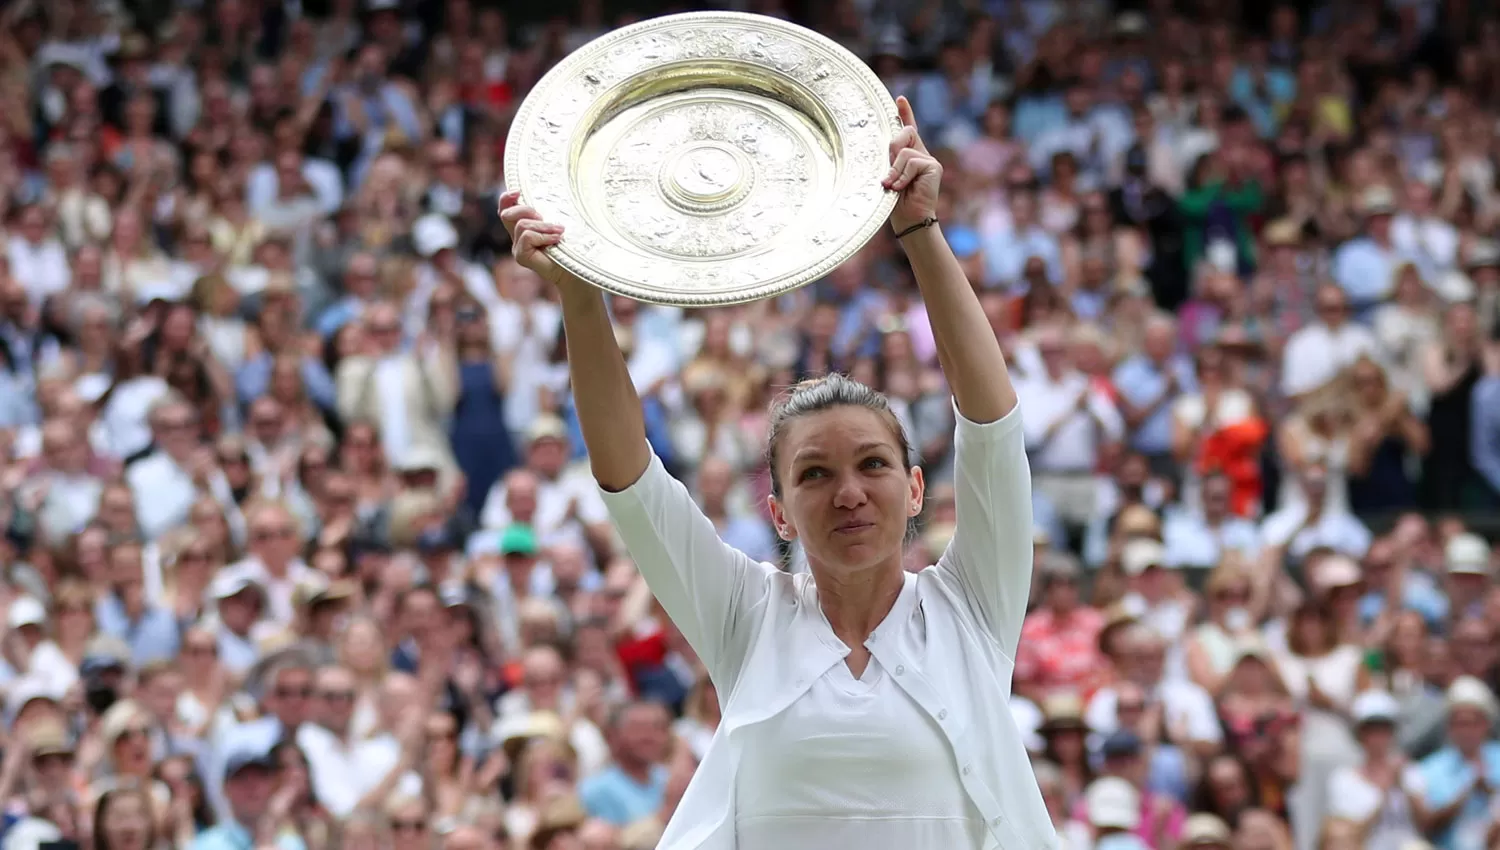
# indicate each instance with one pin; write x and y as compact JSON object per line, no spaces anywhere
{"x":821,"y":472}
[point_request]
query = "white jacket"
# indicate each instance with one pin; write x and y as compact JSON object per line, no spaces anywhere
{"x":951,"y":644}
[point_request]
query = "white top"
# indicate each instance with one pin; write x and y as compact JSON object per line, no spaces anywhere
{"x":1352,"y":796}
{"x":793,"y":790}
{"x":1075,"y":445}
{"x":944,"y":657}
{"x":1316,"y":353}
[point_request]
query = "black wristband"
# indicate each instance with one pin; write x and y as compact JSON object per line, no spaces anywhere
{"x":926,"y":222}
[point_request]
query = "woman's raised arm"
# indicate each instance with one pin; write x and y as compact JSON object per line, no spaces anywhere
{"x":705,"y":586}
{"x":966,"y":345}
{"x":608,"y":408}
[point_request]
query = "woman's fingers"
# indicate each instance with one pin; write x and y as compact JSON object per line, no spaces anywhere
{"x":909,"y":125}
{"x":909,"y":163}
{"x":531,"y":241}
{"x":513,"y":217}
{"x":903,"y":109}
{"x":902,"y":140}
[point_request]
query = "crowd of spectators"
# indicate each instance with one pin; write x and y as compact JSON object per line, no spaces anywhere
{"x":301,"y":549}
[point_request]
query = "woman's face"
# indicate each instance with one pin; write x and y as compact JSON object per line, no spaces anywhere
{"x":209,"y":522}
{"x":1377,"y":738}
{"x":1227,"y":786}
{"x":362,"y":647}
{"x":1226,"y":599}
{"x":199,"y":653}
{"x":92,"y":560}
{"x":1370,"y":383}
{"x":177,"y":328}
{"x":286,"y":381}
{"x":1408,"y":634}
{"x":1311,"y":634}
{"x":132,"y":750}
{"x":127,"y":823}
{"x":846,"y":490}
{"x":1067,"y":745}
{"x":74,"y":621}
{"x":895,"y":347}
{"x":545,"y":768}
{"x":360,"y":449}
{"x":716,"y":336}
{"x":409,"y":828}
{"x":442,"y":742}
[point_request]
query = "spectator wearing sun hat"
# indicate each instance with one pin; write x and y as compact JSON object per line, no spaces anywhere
{"x":1206,"y":832}
{"x":1466,"y":557}
{"x":1453,"y":784}
{"x":1113,"y":807}
{"x":1371,"y":790}
{"x":1156,"y":595}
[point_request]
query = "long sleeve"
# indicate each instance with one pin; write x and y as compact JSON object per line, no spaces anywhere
{"x":1484,"y":435}
{"x":991,"y":552}
{"x":706,"y":586}
{"x":353,"y":375}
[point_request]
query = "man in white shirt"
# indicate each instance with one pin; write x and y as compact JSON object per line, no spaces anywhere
{"x":38,"y":260}
{"x":1310,"y":523}
{"x":272,"y":561}
{"x":1198,"y":539}
{"x":1186,"y":709}
{"x":1067,"y":423}
{"x":566,"y":504}
{"x":1418,"y":232}
{"x":344,"y":769}
{"x":1317,"y":352}
{"x":167,"y":482}
{"x":68,"y":493}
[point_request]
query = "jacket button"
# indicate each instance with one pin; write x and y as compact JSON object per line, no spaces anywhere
{"x":900,"y":669}
{"x":996,"y":821}
{"x":943,"y":715}
{"x":966,"y":770}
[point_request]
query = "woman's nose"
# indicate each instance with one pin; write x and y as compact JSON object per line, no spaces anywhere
{"x":849,"y":494}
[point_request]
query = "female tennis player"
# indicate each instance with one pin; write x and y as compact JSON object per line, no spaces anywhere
{"x":863,"y":706}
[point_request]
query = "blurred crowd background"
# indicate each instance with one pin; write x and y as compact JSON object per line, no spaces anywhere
{"x":300,"y":548}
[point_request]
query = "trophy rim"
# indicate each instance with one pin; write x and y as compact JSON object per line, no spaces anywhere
{"x":518,"y":176}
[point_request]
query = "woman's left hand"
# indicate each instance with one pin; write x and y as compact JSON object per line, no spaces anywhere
{"x":915,"y":173}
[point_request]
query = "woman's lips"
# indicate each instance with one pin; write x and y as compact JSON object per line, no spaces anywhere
{"x":853,"y":527}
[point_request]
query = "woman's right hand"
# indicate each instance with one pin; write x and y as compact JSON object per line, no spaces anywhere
{"x":531,"y":237}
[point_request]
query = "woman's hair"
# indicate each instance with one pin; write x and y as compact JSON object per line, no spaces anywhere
{"x":816,"y":395}
{"x":1324,"y":616}
{"x":203,"y":810}
{"x":107,"y":801}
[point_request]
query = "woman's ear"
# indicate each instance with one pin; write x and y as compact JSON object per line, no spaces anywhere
{"x":784,"y":528}
{"x":918,"y":490}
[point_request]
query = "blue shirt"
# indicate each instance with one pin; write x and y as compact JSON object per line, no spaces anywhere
{"x":1005,"y":256}
{"x":1142,"y":383}
{"x":1484,"y":433}
{"x":153,"y":637}
{"x":612,"y":796}
{"x":232,"y":836}
{"x":1419,"y":593}
{"x":254,"y":380}
{"x":1365,"y":271}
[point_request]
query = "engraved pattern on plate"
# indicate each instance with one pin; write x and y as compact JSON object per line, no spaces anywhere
{"x":689,"y":259}
{"x":638,"y":210}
